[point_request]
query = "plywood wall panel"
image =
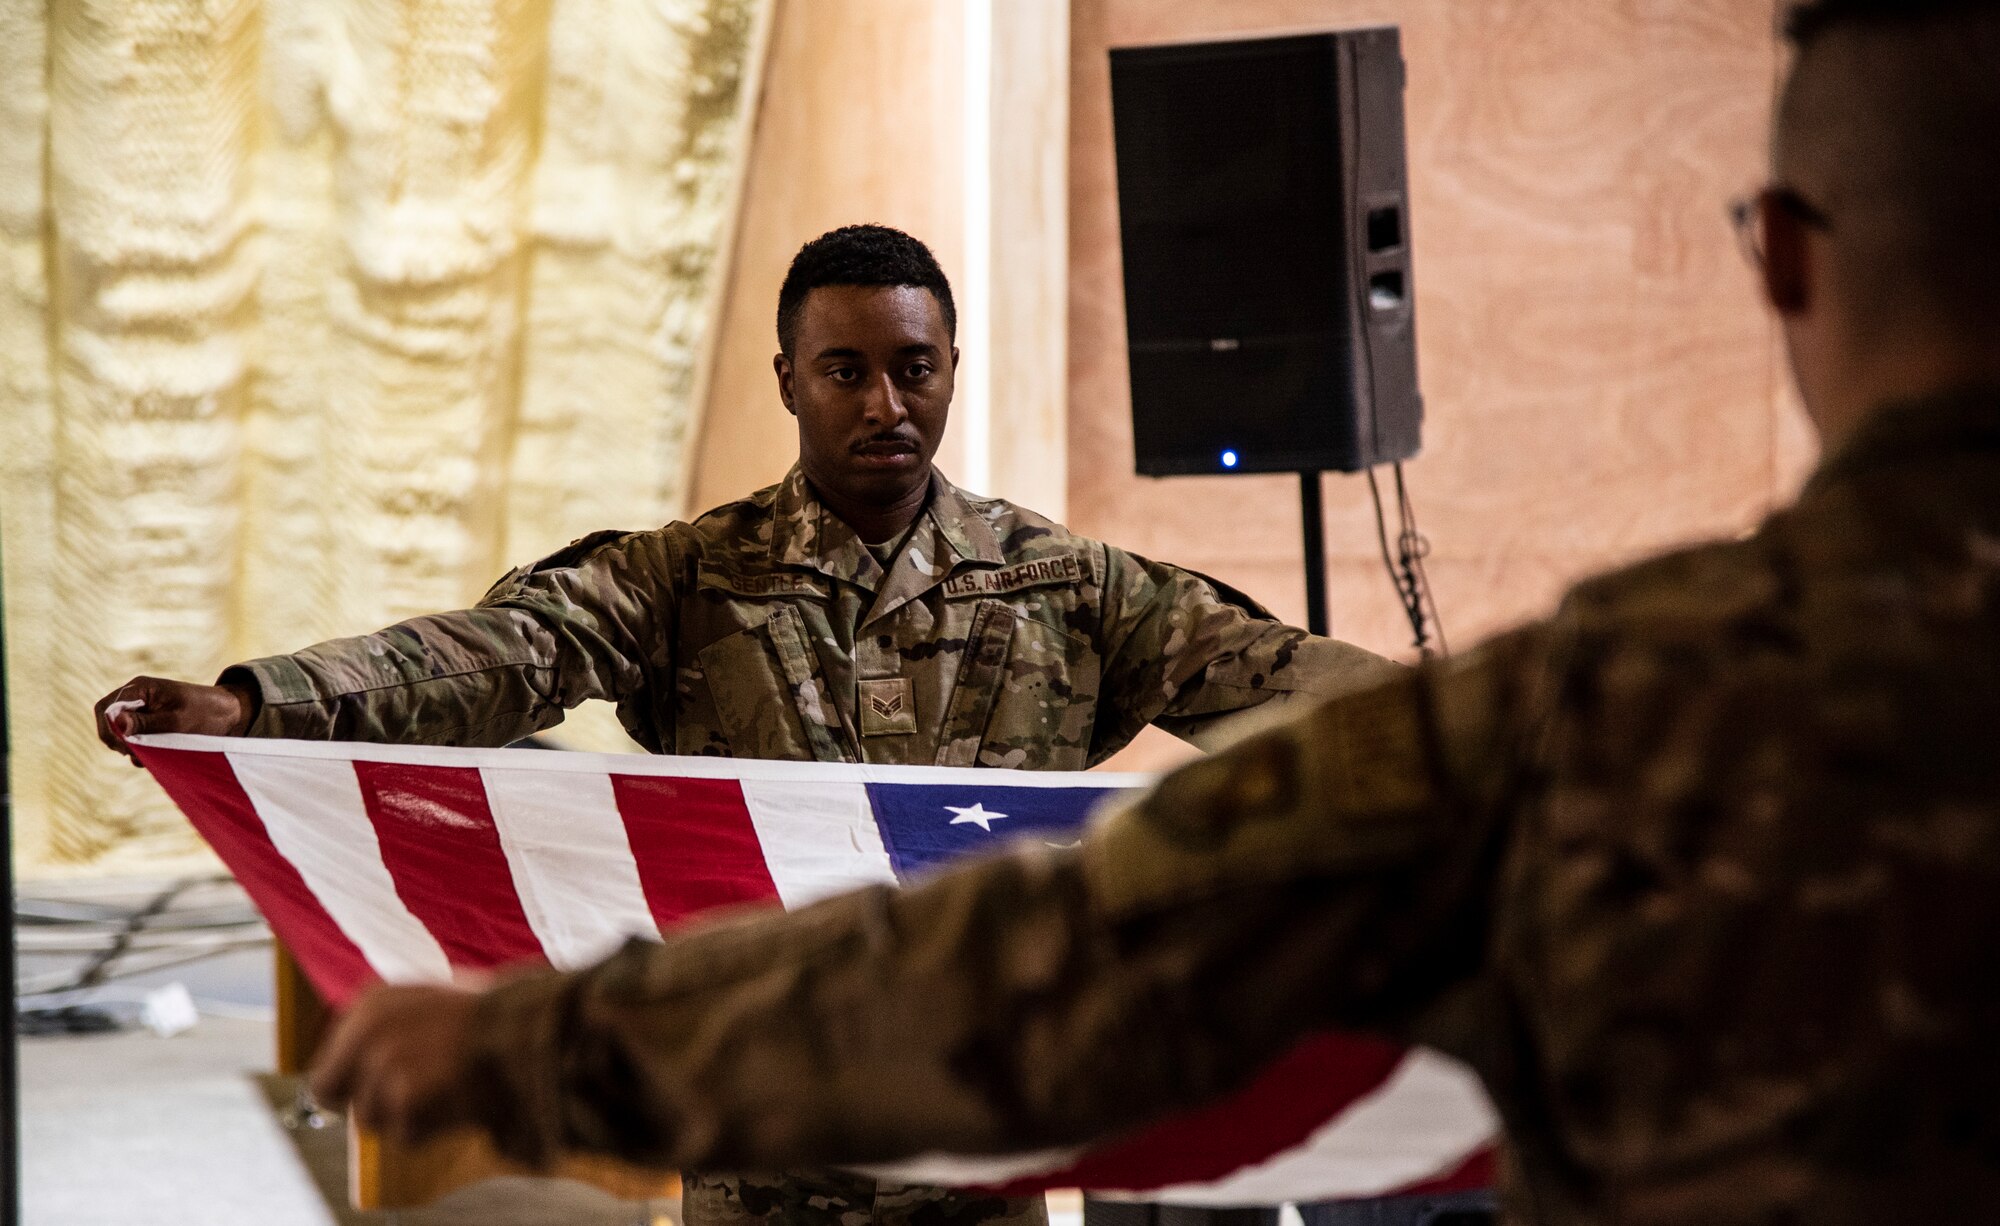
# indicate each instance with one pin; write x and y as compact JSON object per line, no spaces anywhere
{"x":862,"y":121}
{"x":1601,"y":382}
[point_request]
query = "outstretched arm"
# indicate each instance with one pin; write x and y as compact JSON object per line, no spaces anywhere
{"x":1336,"y":871}
{"x":1188,"y":652}
{"x":582,"y":624}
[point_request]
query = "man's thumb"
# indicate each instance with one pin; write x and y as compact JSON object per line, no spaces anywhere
{"x":130,"y":717}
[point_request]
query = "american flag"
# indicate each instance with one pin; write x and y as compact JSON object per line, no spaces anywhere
{"x":401,"y":863}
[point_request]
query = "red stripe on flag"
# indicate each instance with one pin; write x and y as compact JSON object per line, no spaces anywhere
{"x":205,"y":787}
{"x":1479,"y":1171}
{"x":694,"y":842}
{"x":1280,"y":1110}
{"x":441,"y":846}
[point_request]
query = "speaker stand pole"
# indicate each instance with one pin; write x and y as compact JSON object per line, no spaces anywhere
{"x":1314,"y":516}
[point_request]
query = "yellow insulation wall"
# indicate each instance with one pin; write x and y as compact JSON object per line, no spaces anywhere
{"x":315,"y":314}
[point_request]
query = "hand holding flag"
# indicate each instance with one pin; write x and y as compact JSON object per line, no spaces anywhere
{"x":146,"y":706}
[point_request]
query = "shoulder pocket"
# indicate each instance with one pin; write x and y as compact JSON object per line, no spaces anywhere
{"x":980,"y":676}
{"x":1026,"y":695}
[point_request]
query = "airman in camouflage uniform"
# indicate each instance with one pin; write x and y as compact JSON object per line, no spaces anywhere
{"x":767,"y":629}
{"x":1702,"y":873}
{"x":862,"y":610}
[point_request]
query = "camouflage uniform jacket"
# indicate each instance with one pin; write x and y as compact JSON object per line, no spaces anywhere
{"x":1702,"y":875}
{"x":767,"y":629}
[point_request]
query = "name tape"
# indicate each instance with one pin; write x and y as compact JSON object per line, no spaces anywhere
{"x":778,"y":583}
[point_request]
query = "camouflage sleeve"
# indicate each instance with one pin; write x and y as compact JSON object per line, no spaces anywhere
{"x":1335,"y":871}
{"x":1185,"y":651}
{"x":580,"y":624}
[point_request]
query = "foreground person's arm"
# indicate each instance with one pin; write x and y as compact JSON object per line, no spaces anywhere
{"x":1335,"y":871}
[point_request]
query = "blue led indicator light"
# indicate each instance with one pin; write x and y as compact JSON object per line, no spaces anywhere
{"x":1229,"y":459}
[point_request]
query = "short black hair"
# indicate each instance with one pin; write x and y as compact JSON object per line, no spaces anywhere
{"x":860,"y":255}
{"x":1805,"y":22}
{"x":1885,"y":124}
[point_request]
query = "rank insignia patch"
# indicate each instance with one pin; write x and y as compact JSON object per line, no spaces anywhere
{"x":887,"y":708}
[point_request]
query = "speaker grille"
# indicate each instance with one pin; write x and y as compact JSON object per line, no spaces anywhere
{"x":1229,"y":168}
{"x":1266,"y":245}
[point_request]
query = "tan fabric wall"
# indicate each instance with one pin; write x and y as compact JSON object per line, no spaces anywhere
{"x":1601,"y":382}
{"x":313,"y":313}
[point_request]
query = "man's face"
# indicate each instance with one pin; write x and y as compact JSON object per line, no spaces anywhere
{"x":870,"y":382}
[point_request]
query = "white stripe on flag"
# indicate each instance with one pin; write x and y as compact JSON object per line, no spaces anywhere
{"x":938,"y":1169}
{"x":819,"y":839}
{"x":572,"y":862}
{"x":1429,"y":1117}
{"x":313,"y":811}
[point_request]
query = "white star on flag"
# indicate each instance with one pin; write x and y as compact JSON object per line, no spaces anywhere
{"x":978,"y":815}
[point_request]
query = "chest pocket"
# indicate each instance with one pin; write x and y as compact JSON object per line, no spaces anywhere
{"x":771,"y":695}
{"x":1025,"y":697}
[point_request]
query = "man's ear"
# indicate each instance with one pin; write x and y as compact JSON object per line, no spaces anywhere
{"x":954,"y":359}
{"x":1788,"y":270}
{"x":783,"y":365}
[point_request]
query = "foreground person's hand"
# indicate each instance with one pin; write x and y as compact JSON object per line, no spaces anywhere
{"x":396,"y":1061}
{"x":156,"y":704}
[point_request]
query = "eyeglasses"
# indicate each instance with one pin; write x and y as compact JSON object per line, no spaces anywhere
{"x":1746,"y":214}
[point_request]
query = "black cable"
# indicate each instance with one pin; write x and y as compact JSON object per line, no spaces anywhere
{"x":98,"y":969}
{"x":69,"y":1019}
{"x":125,"y":952}
{"x":43,"y":914}
{"x":1382,"y":531}
{"x":149,"y":962}
{"x":1404,"y":565}
{"x":1416,"y":547}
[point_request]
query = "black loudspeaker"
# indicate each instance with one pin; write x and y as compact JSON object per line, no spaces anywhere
{"x":1263,"y":204}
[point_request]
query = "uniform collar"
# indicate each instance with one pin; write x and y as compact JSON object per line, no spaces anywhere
{"x":959,"y":524}
{"x":805,"y":532}
{"x":1961,"y":421}
{"x":949,"y":532}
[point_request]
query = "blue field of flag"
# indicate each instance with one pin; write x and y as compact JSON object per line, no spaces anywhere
{"x":924,"y":825}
